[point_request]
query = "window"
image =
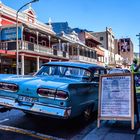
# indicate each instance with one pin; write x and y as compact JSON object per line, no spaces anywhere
{"x":101,"y":38}
{"x":32,"y":39}
{"x":43,"y":43}
{"x":65,"y":71}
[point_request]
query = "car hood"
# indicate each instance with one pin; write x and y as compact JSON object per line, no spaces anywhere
{"x":37,"y":81}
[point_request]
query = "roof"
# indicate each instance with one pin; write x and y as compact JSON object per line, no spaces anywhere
{"x":75,"y":64}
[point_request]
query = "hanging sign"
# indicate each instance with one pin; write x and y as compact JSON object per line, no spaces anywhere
{"x":9,"y":33}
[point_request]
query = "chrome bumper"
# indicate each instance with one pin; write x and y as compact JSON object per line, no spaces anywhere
{"x":54,"y":111}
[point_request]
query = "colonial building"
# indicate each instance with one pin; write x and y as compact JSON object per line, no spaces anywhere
{"x":36,"y":42}
{"x":107,"y":39}
{"x":78,"y":50}
{"x":87,"y":49}
{"x":92,"y":42}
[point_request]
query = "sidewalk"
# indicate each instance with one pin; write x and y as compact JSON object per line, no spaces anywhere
{"x":114,"y":130}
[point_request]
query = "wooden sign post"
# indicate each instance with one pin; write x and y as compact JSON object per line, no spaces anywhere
{"x":116,"y":98}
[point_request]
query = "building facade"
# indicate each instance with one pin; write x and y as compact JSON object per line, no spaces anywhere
{"x":78,"y":50}
{"x":93,"y":43}
{"x":108,"y":43}
{"x":126,"y":50}
{"x":88,"y":49}
{"x":36,"y":42}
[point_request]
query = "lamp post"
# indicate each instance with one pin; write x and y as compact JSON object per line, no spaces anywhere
{"x":139,"y":45}
{"x":17,"y":49}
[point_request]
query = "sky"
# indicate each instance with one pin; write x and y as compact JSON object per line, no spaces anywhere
{"x":123,"y":16}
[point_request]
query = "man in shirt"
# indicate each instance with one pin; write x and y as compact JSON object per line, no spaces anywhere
{"x":134,"y":67}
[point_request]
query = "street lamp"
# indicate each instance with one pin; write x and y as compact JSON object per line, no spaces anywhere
{"x":139,"y":45}
{"x":17,"y":56}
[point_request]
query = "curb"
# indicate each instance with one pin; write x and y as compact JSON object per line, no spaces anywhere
{"x":28,"y":132}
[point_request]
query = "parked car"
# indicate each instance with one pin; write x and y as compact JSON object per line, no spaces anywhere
{"x":53,"y":91}
{"x":118,"y":70}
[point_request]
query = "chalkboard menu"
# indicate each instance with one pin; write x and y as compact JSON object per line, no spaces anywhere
{"x":116,"y":98}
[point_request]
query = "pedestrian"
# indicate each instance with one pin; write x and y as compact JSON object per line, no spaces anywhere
{"x":135,"y":70}
{"x":134,"y":67}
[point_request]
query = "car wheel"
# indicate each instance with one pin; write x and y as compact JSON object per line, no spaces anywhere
{"x":88,"y":113}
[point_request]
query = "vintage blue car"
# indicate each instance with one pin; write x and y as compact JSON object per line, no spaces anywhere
{"x":58,"y":89}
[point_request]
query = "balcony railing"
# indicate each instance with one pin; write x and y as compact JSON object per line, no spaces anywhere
{"x":83,"y":59}
{"x":43,"y":49}
{"x":28,"y":46}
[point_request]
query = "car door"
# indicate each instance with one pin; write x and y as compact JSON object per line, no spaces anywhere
{"x":96,"y":83}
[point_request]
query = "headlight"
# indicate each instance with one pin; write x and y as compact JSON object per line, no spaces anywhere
{"x":49,"y":93}
{"x":9,"y":87}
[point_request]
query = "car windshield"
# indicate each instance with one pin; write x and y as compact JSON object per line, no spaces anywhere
{"x":65,"y":71}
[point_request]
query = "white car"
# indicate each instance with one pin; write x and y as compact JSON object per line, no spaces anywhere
{"x":118,"y":70}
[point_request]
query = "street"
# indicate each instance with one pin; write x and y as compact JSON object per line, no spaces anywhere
{"x":16,"y":123}
{"x":19,"y":126}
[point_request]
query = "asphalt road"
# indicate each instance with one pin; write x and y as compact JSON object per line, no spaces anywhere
{"x":17,"y":125}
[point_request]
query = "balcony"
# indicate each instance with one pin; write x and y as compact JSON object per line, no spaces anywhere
{"x":83,"y":59}
{"x":99,"y":52}
{"x":44,"y":50}
{"x":31,"y":47}
{"x":28,"y":46}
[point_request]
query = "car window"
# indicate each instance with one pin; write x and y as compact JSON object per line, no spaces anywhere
{"x":65,"y":71}
{"x":96,"y":76}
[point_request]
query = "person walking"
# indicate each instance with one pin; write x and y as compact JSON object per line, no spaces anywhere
{"x":134,"y":68}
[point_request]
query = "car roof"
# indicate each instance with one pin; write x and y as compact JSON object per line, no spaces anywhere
{"x":75,"y":64}
{"x":116,"y":70}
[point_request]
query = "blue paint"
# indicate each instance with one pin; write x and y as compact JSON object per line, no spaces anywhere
{"x":80,"y":90}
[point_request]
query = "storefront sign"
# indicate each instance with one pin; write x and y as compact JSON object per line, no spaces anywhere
{"x":116,"y":98}
{"x":10,"y":33}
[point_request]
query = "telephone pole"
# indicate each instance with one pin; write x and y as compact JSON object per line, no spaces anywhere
{"x":139,"y":45}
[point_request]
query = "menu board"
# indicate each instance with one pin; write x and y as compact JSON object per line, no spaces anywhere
{"x":116,"y":99}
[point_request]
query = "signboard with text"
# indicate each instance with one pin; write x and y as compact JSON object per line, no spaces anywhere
{"x":116,"y":98}
{"x":9,"y":33}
